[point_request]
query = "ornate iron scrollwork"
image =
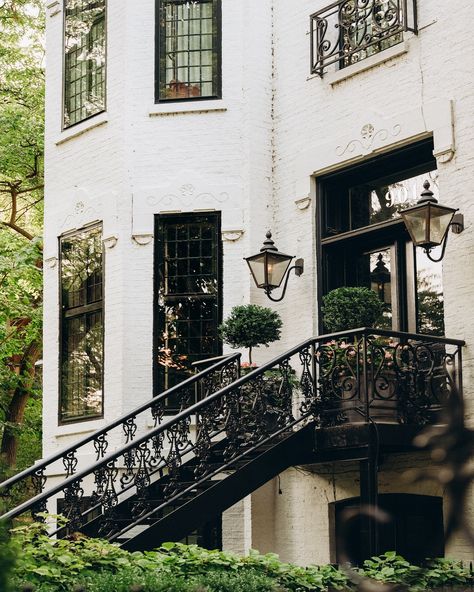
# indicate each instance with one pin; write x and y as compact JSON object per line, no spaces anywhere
{"x":349,"y":31}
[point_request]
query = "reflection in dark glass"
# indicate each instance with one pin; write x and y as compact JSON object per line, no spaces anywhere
{"x":188,"y":295}
{"x":189,"y":49}
{"x":373,"y":270}
{"x":430,"y":300}
{"x":81,"y":325}
{"x":379,"y":202}
{"x":84,"y":63}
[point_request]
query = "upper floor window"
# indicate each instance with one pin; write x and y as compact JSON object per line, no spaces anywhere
{"x":188,"y":50}
{"x":81,"y":325}
{"x":349,"y":31}
{"x":84,"y":59}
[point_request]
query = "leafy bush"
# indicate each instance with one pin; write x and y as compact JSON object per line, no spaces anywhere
{"x":7,"y":558}
{"x":93,"y":565}
{"x":251,"y":325}
{"x":350,"y":308}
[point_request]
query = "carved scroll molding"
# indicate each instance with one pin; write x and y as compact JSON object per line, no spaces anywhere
{"x":371,"y":133}
{"x":81,"y":208}
{"x":186,"y":195}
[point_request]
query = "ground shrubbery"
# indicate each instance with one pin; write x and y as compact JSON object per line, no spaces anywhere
{"x":92,"y":565}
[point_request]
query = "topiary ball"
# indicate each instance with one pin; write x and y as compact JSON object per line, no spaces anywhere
{"x":350,"y":308}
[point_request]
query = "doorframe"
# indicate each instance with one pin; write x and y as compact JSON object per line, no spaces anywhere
{"x":391,"y":164}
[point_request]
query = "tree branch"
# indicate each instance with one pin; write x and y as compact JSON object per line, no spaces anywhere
{"x":16,"y":228}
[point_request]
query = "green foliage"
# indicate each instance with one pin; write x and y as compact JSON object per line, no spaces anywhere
{"x":350,"y":308}
{"x":7,"y":558}
{"x":21,"y":212}
{"x":94,"y":565}
{"x":437,"y":573}
{"x":20,"y":325}
{"x":251,"y":325}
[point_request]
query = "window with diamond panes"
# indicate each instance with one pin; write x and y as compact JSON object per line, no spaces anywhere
{"x":188,"y":50}
{"x":188,"y":295}
{"x":82,"y":357}
{"x":84,"y":63}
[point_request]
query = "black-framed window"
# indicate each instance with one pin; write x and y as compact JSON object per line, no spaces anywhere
{"x":362,"y":234}
{"x":188,"y":295}
{"x":84,"y":59}
{"x":82,"y":325}
{"x":188,"y":54}
{"x":415,"y":529}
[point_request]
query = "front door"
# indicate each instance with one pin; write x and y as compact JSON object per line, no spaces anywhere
{"x":364,"y":242}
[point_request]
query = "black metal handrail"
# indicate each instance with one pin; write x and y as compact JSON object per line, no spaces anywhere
{"x":349,"y":31}
{"x":68,"y":455}
{"x":406,"y":374}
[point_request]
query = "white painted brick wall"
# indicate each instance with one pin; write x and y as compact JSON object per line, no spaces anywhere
{"x":251,"y":161}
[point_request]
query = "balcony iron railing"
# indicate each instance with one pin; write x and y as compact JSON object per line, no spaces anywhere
{"x":349,"y":31}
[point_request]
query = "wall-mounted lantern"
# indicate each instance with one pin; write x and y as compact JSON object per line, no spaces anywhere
{"x":269,"y":268}
{"x":428,"y":222}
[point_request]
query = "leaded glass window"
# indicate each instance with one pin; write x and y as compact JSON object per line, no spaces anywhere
{"x":188,"y":295}
{"x":188,"y":49}
{"x":82,"y":356}
{"x":84,"y":63}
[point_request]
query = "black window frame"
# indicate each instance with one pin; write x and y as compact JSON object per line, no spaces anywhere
{"x":66,"y":313}
{"x":64,"y":125}
{"x":158,"y":312}
{"x":160,"y":52}
{"x":390,"y":165}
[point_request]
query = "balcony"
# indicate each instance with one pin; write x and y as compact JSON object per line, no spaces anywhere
{"x":349,"y":31}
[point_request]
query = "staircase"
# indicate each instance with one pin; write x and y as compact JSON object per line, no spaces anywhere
{"x":167,"y":474}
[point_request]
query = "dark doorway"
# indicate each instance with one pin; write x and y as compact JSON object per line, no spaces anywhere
{"x":415,"y":531}
{"x":363,"y":241}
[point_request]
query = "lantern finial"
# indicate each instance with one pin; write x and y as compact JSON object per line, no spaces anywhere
{"x":427,"y":196}
{"x":268,"y":244}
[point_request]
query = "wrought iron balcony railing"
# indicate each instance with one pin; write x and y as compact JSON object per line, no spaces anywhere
{"x":349,"y":31}
{"x":364,"y":375}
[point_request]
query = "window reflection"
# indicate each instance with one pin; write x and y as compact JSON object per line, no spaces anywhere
{"x":81,"y":325}
{"x":374,"y":271}
{"x":378,"y":202}
{"x":429,"y":288}
{"x":84,"y":64}
{"x":188,"y":295}
{"x":188,"y":51}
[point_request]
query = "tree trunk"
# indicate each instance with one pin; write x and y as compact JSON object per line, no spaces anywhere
{"x":16,"y":408}
{"x":250,"y":355}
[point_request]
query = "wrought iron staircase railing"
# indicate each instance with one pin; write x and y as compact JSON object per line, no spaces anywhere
{"x":157,"y":475}
{"x":31,"y":482}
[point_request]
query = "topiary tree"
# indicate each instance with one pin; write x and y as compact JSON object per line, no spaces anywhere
{"x":350,"y":308}
{"x":251,"y":325}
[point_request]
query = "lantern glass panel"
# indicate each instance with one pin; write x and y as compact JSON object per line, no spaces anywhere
{"x":257,"y":267}
{"x":416,"y":221}
{"x":277,"y":266}
{"x":440,"y":219}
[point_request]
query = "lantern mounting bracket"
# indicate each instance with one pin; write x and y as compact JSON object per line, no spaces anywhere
{"x":299,"y":269}
{"x":457,"y":226}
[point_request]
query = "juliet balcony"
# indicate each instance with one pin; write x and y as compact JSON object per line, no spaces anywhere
{"x":349,"y":31}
